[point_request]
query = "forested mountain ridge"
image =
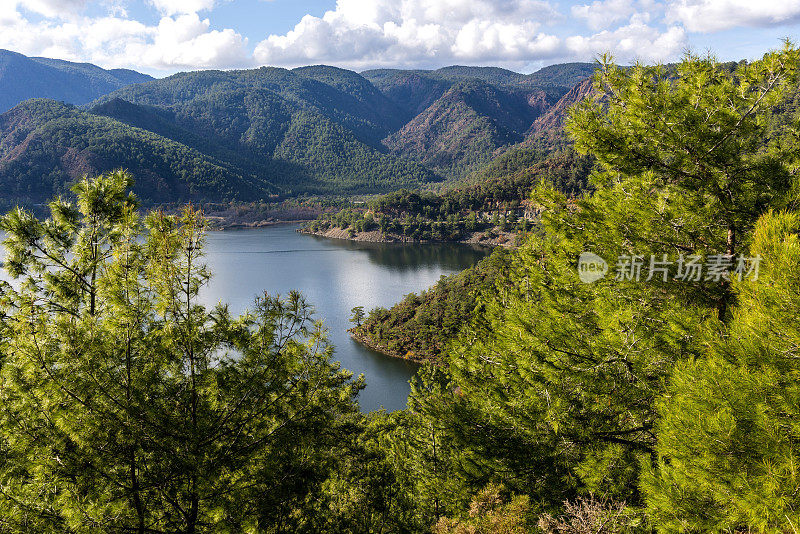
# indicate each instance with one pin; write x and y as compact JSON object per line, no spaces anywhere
{"x":550,"y":124}
{"x":273,"y":131}
{"x":462,"y":117}
{"x":561,"y":75}
{"x":451,"y":121}
{"x":23,"y":78}
{"x":46,"y":145}
{"x":200,"y":97}
{"x":463,"y":129}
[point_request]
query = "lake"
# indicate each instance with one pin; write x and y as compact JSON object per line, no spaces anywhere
{"x":334,"y":275}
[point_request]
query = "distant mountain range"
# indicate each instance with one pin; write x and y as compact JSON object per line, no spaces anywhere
{"x":251,"y":134}
{"x":23,"y":78}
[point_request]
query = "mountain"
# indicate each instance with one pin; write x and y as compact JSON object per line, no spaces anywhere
{"x":215,"y":136}
{"x":550,"y":125}
{"x":464,"y":128}
{"x":250,"y":104}
{"x":22,"y":78}
{"x":312,"y":129}
{"x":248,"y":134}
{"x":562,"y":75}
{"x":463,"y":117}
{"x":45,"y":145}
{"x":412,"y":91}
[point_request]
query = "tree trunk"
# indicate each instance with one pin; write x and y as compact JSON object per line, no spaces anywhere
{"x":191,"y":520}
{"x":137,"y":498}
{"x":727,"y":294}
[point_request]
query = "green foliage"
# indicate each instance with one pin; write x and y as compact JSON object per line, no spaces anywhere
{"x":357,"y":315}
{"x":420,"y":326}
{"x":557,"y":388}
{"x":618,"y":406}
{"x":503,"y":186}
{"x":312,"y":129}
{"x":729,"y":424}
{"x":464,"y":128}
{"x":62,"y":143}
{"x":130,"y":406}
{"x":699,"y":137}
{"x":333,"y":160}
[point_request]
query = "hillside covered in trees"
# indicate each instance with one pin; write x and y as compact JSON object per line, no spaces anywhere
{"x":492,"y":202}
{"x":270,"y":132}
{"x":419,"y":327}
{"x":462,"y":117}
{"x":44,"y":144}
{"x":485,"y":203}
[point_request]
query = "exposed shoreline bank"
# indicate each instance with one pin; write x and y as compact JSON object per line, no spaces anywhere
{"x":220,"y":224}
{"x":377,"y":347}
{"x":501,"y":239}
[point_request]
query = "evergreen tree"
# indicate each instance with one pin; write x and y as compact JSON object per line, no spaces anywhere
{"x":357,"y":315}
{"x":128,"y":406}
{"x":729,"y":426}
{"x":693,"y":157}
{"x":559,"y":379}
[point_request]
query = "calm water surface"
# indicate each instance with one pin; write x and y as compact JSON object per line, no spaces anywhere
{"x":334,"y":276}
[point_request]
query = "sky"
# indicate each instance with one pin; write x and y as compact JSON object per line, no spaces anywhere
{"x":161,"y":37}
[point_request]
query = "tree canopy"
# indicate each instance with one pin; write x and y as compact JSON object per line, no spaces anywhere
{"x":129,"y":406}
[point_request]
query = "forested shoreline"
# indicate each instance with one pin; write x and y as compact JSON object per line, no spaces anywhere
{"x":492,"y":208}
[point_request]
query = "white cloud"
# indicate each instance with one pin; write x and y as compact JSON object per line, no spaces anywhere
{"x":416,"y":32}
{"x":601,"y":14}
{"x":50,"y":8}
{"x":368,"y":33}
{"x":188,"y":41}
{"x":180,"y":7}
{"x":637,"y":40}
{"x":715,"y":15}
{"x":177,"y":42}
{"x":480,"y":39}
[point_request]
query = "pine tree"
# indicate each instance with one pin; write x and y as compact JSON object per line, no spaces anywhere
{"x":729,"y":426}
{"x":560,"y":379}
{"x":130,"y":406}
{"x":357,"y":315}
{"x":689,"y":159}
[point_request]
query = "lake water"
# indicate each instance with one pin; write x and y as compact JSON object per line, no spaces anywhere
{"x":334,"y":275}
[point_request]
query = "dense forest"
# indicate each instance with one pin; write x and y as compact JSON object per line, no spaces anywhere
{"x":419,"y":327}
{"x":268,"y":134}
{"x":661,"y":397}
{"x":60,"y":141}
{"x":492,"y":201}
